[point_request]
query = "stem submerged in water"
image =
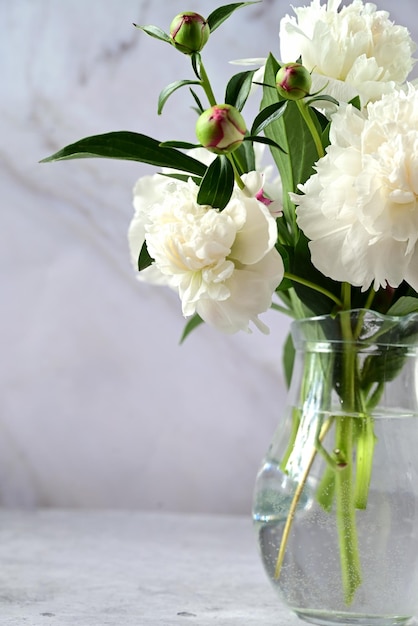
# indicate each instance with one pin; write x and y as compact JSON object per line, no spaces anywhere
{"x":365,"y":441}
{"x":295,"y":501}
{"x":345,"y":482}
{"x":344,"y":488}
{"x":346,"y":514}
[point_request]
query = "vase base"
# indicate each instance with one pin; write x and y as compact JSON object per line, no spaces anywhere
{"x":335,"y":618}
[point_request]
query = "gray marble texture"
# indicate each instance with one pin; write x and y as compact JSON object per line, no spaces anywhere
{"x":114,"y":568}
{"x":99,"y":405}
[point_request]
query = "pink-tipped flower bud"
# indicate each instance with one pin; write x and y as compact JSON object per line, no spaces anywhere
{"x":189,"y":32}
{"x":221,"y":128}
{"x":293,"y":81}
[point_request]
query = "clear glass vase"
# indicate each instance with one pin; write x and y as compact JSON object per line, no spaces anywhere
{"x":336,"y":497}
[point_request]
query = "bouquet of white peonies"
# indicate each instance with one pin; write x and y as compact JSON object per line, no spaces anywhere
{"x":336,"y":227}
{"x":329,"y":224}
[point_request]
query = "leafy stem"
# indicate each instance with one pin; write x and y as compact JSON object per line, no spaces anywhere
{"x":237,"y":176}
{"x":306,"y":114}
{"x":346,"y":514}
{"x":346,"y":296}
{"x":205,"y":82}
{"x":355,"y":426}
{"x":315,"y":287}
{"x":295,"y":501}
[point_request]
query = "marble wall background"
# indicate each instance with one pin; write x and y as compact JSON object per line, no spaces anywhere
{"x":99,"y":406}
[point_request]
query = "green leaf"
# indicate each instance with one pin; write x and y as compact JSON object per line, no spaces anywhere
{"x":244,"y":158}
{"x":356,"y":102}
{"x":325,"y":136}
{"x":288,"y":359}
{"x":129,"y":146}
{"x":217,"y":184}
{"x":325,"y":125}
{"x":155,"y":32}
{"x":221,"y":14}
{"x":265,"y":140}
{"x":238,"y":89}
{"x":404,"y":306}
{"x":144,"y":259}
{"x":291,"y":132}
{"x":322,"y":120}
{"x":268,"y":116}
{"x":183,"y":177}
{"x":384,"y":366}
{"x":323,"y":98}
{"x":196,"y":63}
{"x":193,"y":323}
{"x":283,"y":234}
{"x":302,"y":266}
{"x":393,"y":339}
{"x":182,"y":145}
{"x":170,"y":89}
{"x":286,"y":253}
{"x":200,"y":108}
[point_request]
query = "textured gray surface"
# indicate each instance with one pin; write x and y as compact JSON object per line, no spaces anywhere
{"x":129,"y":568}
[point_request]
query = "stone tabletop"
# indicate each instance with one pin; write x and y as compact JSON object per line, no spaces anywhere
{"x":113,"y":568}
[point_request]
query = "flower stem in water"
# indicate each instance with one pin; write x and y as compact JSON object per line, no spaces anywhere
{"x":346,"y":514}
{"x":365,"y":442}
{"x":295,"y":501}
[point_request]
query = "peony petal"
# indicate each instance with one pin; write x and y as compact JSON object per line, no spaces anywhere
{"x":360,"y":209}
{"x":258,"y":235}
{"x":222,"y":264}
{"x":357,"y":50}
{"x":251,"y":291}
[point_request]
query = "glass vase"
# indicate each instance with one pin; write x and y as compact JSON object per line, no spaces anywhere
{"x":336,"y":497}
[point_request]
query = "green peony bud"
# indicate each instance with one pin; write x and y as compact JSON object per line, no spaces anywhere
{"x":293,"y":81}
{"x":221,"y":128}
{"x":189,"y":32}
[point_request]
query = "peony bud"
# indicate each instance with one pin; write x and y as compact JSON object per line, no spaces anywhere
{"x":221,"y":128}
{"x":293,"y":81}
{"x":189,"y":32}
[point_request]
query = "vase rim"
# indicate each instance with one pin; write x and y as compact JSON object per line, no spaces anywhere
{"x":367,"y":327}
{"x":357,"y":311}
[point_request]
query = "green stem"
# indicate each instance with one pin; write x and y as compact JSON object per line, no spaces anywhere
{"x":346,"y":515}
{"x":336,"y":461}
{"x":296,"y":413}
{"x":295,"y":501}
{"x":297,"y":305}
{"x":292,"y":439}
{"x":365,"y":442}
{"x":237,"y":176}
{"x":206,"y":85}
{"x":318,"y":288}
{"x":366,"y":306}
{"x":326,"y":489}
{"x":306,"y":114}
{"x":282,"y":309}
{"x":364,"y":432}
{"x":370,"y":299}
{"x":375,"y":395}
{"x":346,"y":296}
{"x":344,"y":492}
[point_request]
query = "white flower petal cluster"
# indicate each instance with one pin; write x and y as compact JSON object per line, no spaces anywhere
{"x":355,"y":50}
{"x":360,"y":208}
{"x":223,"y":264}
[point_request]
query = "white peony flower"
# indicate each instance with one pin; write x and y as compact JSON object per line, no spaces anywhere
{"x":360,"y":208}
{"x":353,"y":51}
{"x":223,"y":264}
